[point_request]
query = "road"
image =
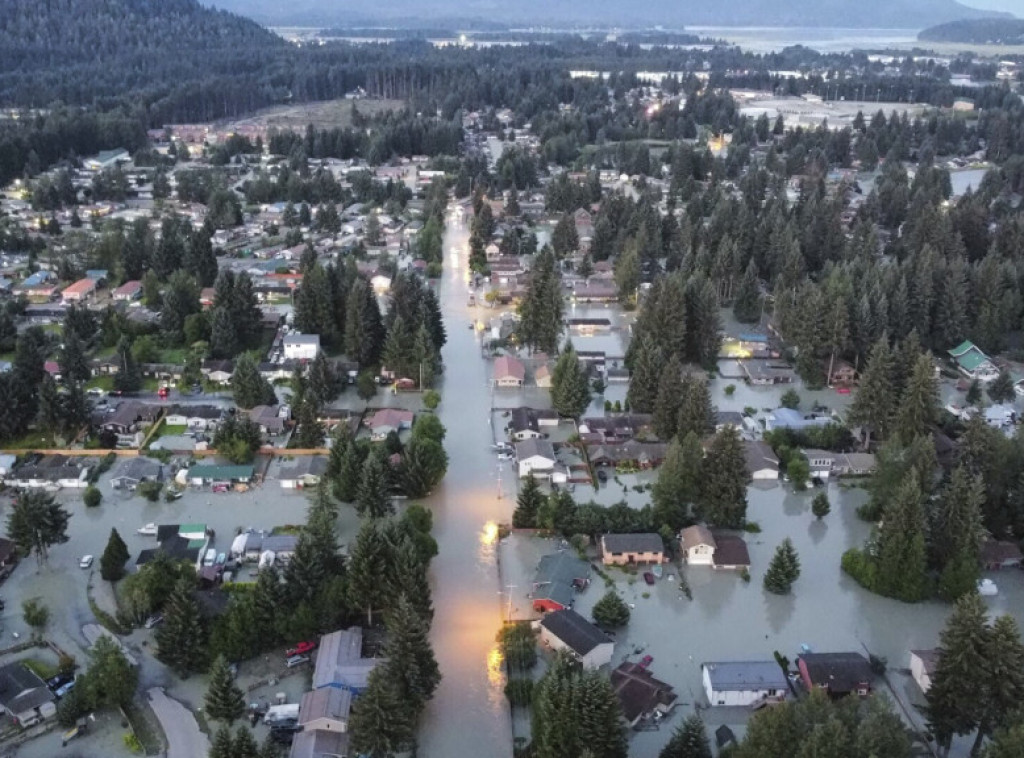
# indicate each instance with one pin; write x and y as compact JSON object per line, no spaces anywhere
{"x":469,"y":715}
{"x":184,"y":739}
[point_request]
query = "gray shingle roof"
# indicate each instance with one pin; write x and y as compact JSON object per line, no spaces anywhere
{"x":743,"y":676}
{"x":575,"y":631}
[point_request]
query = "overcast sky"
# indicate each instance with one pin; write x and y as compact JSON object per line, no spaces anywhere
{"x":1015,"y":7}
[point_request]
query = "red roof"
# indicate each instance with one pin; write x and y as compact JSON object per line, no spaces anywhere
{"x":128,"y":288}
{"x":507,"y":366}
{"x":81,"y":287}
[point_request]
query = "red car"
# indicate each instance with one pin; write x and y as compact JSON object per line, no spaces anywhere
{"x":300,"y":649}
{"x":646,"y":661}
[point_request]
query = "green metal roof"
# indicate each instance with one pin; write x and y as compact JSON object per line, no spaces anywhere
{"x":970,"y":361}
{"x":963,"y":347}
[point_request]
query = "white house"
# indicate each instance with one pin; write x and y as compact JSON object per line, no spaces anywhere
{"x":301,"y":347}
{"x":698,"y":545}
{"x":568,"y":630}
{"x":536,"y":457}
{"x":922,"y":666}
{"x":743,"y":683}
{"x":820,"y":462}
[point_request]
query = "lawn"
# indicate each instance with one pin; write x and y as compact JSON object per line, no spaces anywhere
{"x":104,"y":382}
{"x":30,"y":440}
{"x":168,"y":430}
{"x":174,"y":355}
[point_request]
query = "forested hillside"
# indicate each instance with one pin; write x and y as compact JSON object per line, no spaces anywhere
{"x":977,"y":32}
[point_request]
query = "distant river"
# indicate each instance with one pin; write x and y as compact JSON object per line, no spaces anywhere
{"x":772,"y":39}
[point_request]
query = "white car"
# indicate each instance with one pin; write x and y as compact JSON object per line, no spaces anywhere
{"x":86,"y":562}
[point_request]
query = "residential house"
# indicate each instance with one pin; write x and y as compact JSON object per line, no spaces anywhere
{"x":728,"y":419}
{"x":762,"y":373}
{"x":843,"y":374}
{"x":7,"y":463}
{"x":325,"y":709}
{"x":106,"y":159}
{"x":527,"y":423}
{"x":542,"y":376}
{"x":24,"y":696}
{"x":922,"y":667}
{"x":269,"y":419}
{"x":388,"y":420}
{"x":788,"y":418}
{"x":280,"y":546}
{"x":211,"y":473}
{"x":181,"y":542}
{"x":762,"y":463}
{"x":509,"y":372}
{"x":596,"y":292}
{"x":79,"y":292}
{"x":820,"y":462}
{"x":999,"y":554}
{"x":617,"y":427}
{"x":623,"y":549}
{"x":584,"y":224}
{"x":568,"y":630}
{"x":195,"y":417}
{"x":535,"y":456}
{"x":854,"y":464}
{"x":744,"y":683}
{"x":131,"y":472}
{"x":128,"y":292}
{"x":218,"y":371}
{"x":639,"y":455}
{"x":340,"y":663}
{"x":558,"y":578}
{"x":839,"y":674}
{"x":973,"y":363}
{"x":306,"y":471}
{"x":587,"y":327}
{"x":639,"y":693}
{"x":51,"y":472}
{"x":720,"y":550}
{"x":1000,"y":416}
{"x":301,"y":347}
{"x":128,"y":421}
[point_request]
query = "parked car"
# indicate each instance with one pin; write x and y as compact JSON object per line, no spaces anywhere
{"x":86,"y":562}
{"x":649,"y":577}
{"x":646,"y":661}
{"x":301,"y":649}
{"x":297,"y":660}
{"x":64,"y":689}
{"x":56,"y":682}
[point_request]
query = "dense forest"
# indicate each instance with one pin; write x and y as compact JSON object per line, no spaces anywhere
{"x":980,"y":31}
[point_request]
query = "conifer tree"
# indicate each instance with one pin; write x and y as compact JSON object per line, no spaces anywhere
{"x":696,"y":413}
{"x":373,"y":498}
{"x":1004,"y":686}
{"x":646,"y":374}
{"x":381,"y":724}
{"x":223,"y":745}
{"x":874,"y":404}
{"x":747,"y":305}
{"x":527,"y":504}
{"x":570,"y":392}
{"x":820,"y":506}
{"x":181,"y":640}
{"x":688,"y":741}
{"x":678,"y":483}
{"x":669,"y":400}
{"x":919,"y":403}
{"x":901,"y":556}
{"x":411,"y":665}
{"x":244,"y":745}
{"x":784,"y":569}
{"x":367,"y":565}
{"x":723,"y":498}
{"x":956,"y":532}
{"x":114,"y":557}
{"x":224,"y":700}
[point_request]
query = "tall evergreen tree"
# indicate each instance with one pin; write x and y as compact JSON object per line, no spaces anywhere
{"x":366,"y":566}
{"x":747,"y":305}
{"x":570,"y":392}
{"x":875,"y":403}
{"x":645,"y":377}
{"x":919,"y":403}
{"x":678,"y":484}
{"x":723,"y":498}
{"x":1004,"y":686}
{"x":669,"y":400}
{"x":249,"y":387}
{"x":224,"y":700}
{"x":541,"y":309}
{"x":181,"y":639}
{"x":114,"y":557}
{"x":527,"y":504}
{"x":901,"y":556}
{"x":364,"y":331}
{"x":783,"y":570}
{"x":956,"y":532}
{"x":696,"y":413}
{"x":381,"y":724}
{"x":373,"y":498}
{"x":410,"y":665}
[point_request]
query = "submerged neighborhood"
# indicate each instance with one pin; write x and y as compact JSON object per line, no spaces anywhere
{"x":619,"y":397}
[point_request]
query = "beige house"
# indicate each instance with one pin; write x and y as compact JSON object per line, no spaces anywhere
{"x":543,"y":376}
{"x":922,"y":666}
{"x":698,"y":545}
{"x":623,"y":549}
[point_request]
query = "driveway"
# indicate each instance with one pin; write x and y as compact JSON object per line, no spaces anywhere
{"x":184,"y":739}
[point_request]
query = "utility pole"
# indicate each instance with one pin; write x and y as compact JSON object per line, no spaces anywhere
{"x":509,"y":587}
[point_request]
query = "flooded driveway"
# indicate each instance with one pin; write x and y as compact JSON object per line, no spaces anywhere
{"x":469,"y":715}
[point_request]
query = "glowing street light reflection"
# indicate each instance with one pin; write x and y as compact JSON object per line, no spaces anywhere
{"x":490,"y":534}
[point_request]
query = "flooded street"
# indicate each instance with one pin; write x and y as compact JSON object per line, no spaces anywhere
{"x":469,"y":715}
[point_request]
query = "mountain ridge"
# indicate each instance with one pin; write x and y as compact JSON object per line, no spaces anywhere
{"x":907,"y":14}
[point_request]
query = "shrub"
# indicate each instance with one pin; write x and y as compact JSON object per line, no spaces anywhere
{"x":92,"y":496}
{"x":36,"y":614}
{"x":519,"y":691}
{"x":752,"y":526}
{"x":431,"y":399}
{"x":730,"y":389}
{"x":860,"y":568}
{"x":790,"y":399}
{"x":150,"y":490}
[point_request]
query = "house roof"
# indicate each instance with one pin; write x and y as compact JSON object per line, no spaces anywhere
{"x":305,"y":465}
{"x":529,"y":418}
{"x":340,"y":662}
{"x":561,"y":567}
{"x":743,"y":676}
{"x":730,"y":550}
{"x":138,"y":468}
{"x":81,"y":287}
{"x":128,"y":288}
{"x":326,"y":702}
{"x":393,"y":417}
{"x":692,"y":536}
{"x":638,"y":691}
{"x":530,"y":448}
{"x":648,"y":542}
{"x":22,"y":690}
{"x":280,"y":543}
{"x":930,"y":658}
{"x":840,"y":672}
{"x":215,"y":471}
{"x":575,"y":631}
{"x":1000,"y":551}
{"x":319,"y":743}
{"x":507,"y":366}
{"x":302,"y":339}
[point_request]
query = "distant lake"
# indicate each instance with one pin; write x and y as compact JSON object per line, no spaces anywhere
{"x":772,"y":39}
